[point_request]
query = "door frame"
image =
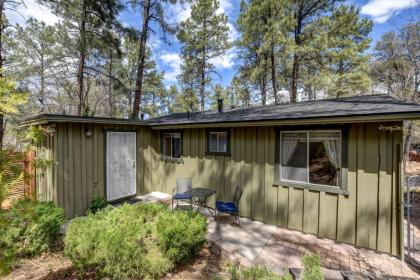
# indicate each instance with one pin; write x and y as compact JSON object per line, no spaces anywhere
{"x":105,"y":164}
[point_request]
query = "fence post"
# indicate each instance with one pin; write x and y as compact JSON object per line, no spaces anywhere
{"x":29,"y":182}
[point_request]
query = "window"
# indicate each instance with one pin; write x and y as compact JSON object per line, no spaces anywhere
{"x":171,"y":145}
{"x":311,"y":157}
{"x":218,"y":142}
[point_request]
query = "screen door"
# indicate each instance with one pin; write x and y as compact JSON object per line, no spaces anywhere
{"x":120,"y":164}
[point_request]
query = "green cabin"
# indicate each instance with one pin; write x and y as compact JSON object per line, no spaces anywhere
{"x":330,"y":167}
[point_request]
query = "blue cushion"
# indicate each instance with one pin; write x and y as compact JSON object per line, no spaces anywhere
{"x":228,"y":207}
{"x":182,"y":196}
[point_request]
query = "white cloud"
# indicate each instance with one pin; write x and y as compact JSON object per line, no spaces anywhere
{"x":382,"y":10}
{"x":31,"y":9}
{"x":176,"y":13}
{"x":233,"y":33}
{"x":225,"y":61}
{"x":225,"y":6}
{"x":173,"y":61}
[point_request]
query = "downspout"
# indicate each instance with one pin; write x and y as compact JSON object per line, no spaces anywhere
{"x":401,"y":198}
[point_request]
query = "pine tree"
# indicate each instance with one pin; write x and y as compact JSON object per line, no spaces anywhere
{"x":152,"y":13}
{"x":4,"y":29}
{"x":314,"y":46}
{"x":205,"y":37}
{"x":89,"y":25}
{"x":35,"y":59}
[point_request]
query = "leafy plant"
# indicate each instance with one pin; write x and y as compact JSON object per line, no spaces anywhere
{"x":36,"y":134}
{"x":312,"y":267}
{"x":255,"y":273}
{"x":126,"y":243}
{"x":97,"y":203}
{"x":27,"y":229}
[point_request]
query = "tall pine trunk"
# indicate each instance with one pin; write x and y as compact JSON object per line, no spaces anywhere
{"x":273,"y":75}
{"x":295,"y":76}
{"x":81,"y":108}
{"x":203,"y":85}
{"x":296,"y":58}
{"x":141,"y":59}
{"x":110,"y":101}
{"x":1,"y":69}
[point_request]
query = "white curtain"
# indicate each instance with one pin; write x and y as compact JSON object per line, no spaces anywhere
{"x":288,"y":150}
{"x":332,"y":148}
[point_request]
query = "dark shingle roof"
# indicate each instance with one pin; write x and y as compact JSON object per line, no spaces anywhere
{"x":339,"y":107}
{"x":331,"y":109}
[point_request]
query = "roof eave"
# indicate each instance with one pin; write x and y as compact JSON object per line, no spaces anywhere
{"x":46,"y":119}
{"x":302,"y":121}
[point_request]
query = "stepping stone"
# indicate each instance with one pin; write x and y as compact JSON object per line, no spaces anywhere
{"x":351,"y":275}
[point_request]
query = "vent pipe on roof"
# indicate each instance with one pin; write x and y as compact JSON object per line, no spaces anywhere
{"x":232,"y":99}
{"x":220,"y":105}
{"x":283,"y":96}
{"x":142,"y":116}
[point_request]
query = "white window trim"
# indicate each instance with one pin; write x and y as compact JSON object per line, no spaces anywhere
{"x":218,"y":150}
{"x":307,"y":183}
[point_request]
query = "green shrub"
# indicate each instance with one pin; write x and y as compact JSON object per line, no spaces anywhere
{"x":255,"y":273}
{"x":27,"y":229}
{"x":126,"y":243}
{"x":181,"y":234}
{"x":312,"y":267}
{"x":97,"y":203}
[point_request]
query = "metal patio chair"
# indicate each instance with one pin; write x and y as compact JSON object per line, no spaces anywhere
{"x":229,"y":205}
{"x":182,"y":185}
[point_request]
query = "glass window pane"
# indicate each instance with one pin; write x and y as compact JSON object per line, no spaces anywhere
{"x":167,"y":144}
{"x":213,"y":141}
{"x":176,"y":145}
{"x":294,"y":156}
{"x":324,"y":158}
{"x":222,"y":142}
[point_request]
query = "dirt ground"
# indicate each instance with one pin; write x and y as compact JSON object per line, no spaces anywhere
{"x":55,"y":266}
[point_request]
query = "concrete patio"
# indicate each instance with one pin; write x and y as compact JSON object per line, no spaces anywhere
{"x":256,"y":243}
{"x":279,"y":249}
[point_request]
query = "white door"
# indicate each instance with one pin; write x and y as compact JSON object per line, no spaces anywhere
{"x":120,"y":164}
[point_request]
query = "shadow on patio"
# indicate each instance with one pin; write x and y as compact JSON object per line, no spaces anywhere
{"x":256,"y":243}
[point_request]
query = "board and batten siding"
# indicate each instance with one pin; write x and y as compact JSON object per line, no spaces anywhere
{"x":79,"y":171}
{"x":368,"y":217}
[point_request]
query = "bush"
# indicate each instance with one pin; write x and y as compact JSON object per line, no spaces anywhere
{"x":312,"y":267}
{"x":27,"y":229}
{"x":97,"y":203}
{"x":181,"y":234}
{"x":255,"y":273}
{"x":131,"y":242}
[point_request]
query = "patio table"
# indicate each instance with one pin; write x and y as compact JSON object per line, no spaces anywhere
{"x":200,"y":196}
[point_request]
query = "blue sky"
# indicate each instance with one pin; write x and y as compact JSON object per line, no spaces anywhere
{"x":387,"y":15}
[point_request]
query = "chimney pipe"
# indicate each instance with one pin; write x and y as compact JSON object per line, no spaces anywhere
{"x":142,"y":116}
{"x":220,"y":105}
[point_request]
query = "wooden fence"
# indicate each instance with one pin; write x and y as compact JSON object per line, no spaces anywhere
{"x":25,"y":187}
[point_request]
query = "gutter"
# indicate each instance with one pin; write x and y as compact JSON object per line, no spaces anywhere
{"x":303,"y":121}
